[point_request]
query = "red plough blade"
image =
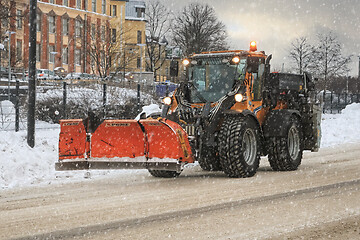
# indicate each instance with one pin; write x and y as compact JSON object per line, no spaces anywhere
{"x":117,"y":144}
{"x":118,"y":138}
{"x":72,"y":139}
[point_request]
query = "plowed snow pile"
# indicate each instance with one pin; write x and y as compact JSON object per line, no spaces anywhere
{"x":341,"y":128}
{"x":21,"y":165}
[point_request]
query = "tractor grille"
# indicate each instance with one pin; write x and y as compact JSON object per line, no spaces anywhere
{"x":190,"y":130}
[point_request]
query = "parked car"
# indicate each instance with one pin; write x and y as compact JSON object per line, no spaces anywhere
{"x":46,"y":74}
{"x":60,"y":71}
{"x":78,"y":76}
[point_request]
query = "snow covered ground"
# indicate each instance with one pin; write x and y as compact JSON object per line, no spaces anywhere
{"x":21,"y":165}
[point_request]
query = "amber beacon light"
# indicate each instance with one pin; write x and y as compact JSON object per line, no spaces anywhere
{"x":253,"y":46}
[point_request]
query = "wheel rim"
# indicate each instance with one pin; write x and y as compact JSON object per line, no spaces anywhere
{"x":249,"y":146}
{"x":294,"y":142}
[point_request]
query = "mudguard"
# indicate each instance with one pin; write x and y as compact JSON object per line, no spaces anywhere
{"x":277,"y":121}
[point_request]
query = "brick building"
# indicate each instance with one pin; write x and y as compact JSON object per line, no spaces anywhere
{"x":66,"y":29}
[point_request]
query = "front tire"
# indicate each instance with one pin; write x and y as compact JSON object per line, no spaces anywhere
{"x":208,"y":159}
{"x":239,"y":147}
{"x":285,"y":153}
{"x":164,"y":174}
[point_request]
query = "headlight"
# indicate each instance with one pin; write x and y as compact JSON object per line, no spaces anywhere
{"x":167,"y":101}
{"x":239,"y":97}
{"x":236,"y":60}
{"x":186,"y":62}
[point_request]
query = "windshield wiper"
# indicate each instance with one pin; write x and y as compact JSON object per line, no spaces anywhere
{"x":197,"y":93}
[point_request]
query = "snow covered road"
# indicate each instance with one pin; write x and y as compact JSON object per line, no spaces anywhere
{"x":199,"y":205}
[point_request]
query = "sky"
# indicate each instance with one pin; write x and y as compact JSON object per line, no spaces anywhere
{"x":274,"y":24}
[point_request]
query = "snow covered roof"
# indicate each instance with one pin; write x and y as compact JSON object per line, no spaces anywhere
{"x":131,"y":10}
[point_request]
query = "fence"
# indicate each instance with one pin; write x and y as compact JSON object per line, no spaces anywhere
{"x":57,"y":100}
{"x":335,"y":102}
{"x":10,"y":102}
{"x":77,"y":99}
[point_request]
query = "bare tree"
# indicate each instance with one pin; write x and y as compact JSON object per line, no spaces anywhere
{"x":302,"y":53}
{"x":197,"y":29}
{"x":329,"y":60}
{"x":9,"y":17}
{"x":157,"y":26}
{"x":107,"y":54}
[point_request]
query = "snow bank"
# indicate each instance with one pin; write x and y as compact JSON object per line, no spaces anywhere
{"x":153,"y":108}
{"x":21,"y":165}
{"x":341,"y":128}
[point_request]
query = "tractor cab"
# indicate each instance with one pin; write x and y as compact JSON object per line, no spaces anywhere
{"x":220,"y":80}
{"x":214,"y":74}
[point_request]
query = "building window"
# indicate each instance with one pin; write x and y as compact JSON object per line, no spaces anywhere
{"x":78,"y":4}
{"x":77,"y":56}
{"x":78,"y":28}
{"x":5,"y":22}
{"x":19,"y":50}
{"x":103,"y":6}
{"x":51,"y":56}
{"x":65,"y":55}
{"x":114,"y":10}
{"x":138,"y":64}
{"x":85,"y":5}
{"x":38,"y":22}
{"x":139,"y":37}
{"x":93,"y":30}
{"x":113,"y":35}
{"x":93,"y":5}
{"x":66,"y":3}
{"x":140,"y":12}
{"x":52,"y":24}
{"x":65,"y":26}
{"x":38,"y":52}
{"x":19,"y":19}
{"x":52,"y":1}
{"x":103,"y":33}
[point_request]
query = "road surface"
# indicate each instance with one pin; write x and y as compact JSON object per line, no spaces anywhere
{"x":318,"y":201}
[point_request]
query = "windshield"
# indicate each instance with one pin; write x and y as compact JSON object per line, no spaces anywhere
{"x":213,"y":79}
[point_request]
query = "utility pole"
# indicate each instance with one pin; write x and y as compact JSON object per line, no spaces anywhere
{"x":32,"y":75}
{"x":357,"y":84}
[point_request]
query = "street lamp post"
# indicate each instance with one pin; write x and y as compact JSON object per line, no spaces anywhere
{"x":162,"y":43}
{"x":2,"y":47}
{"x":140,"y":79}
{"x":9,"y":65}
{"x":54,"y":53}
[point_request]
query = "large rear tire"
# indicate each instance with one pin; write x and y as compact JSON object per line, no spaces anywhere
{"x":164,"y":174}
{"x":208,"y":159}
{"x":285,"y":153}
{"x":239,"y":147}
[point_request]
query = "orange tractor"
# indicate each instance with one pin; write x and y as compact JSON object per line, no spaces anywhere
{"x":229,"y":111}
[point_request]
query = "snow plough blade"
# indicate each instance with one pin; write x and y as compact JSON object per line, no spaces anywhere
{"x":120,"y":144}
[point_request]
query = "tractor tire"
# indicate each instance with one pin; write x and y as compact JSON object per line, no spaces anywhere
{"x":208,"y":159}
{"x":239,"y":147}
{"x":285,"y":153}
{"x":164,"y":174}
